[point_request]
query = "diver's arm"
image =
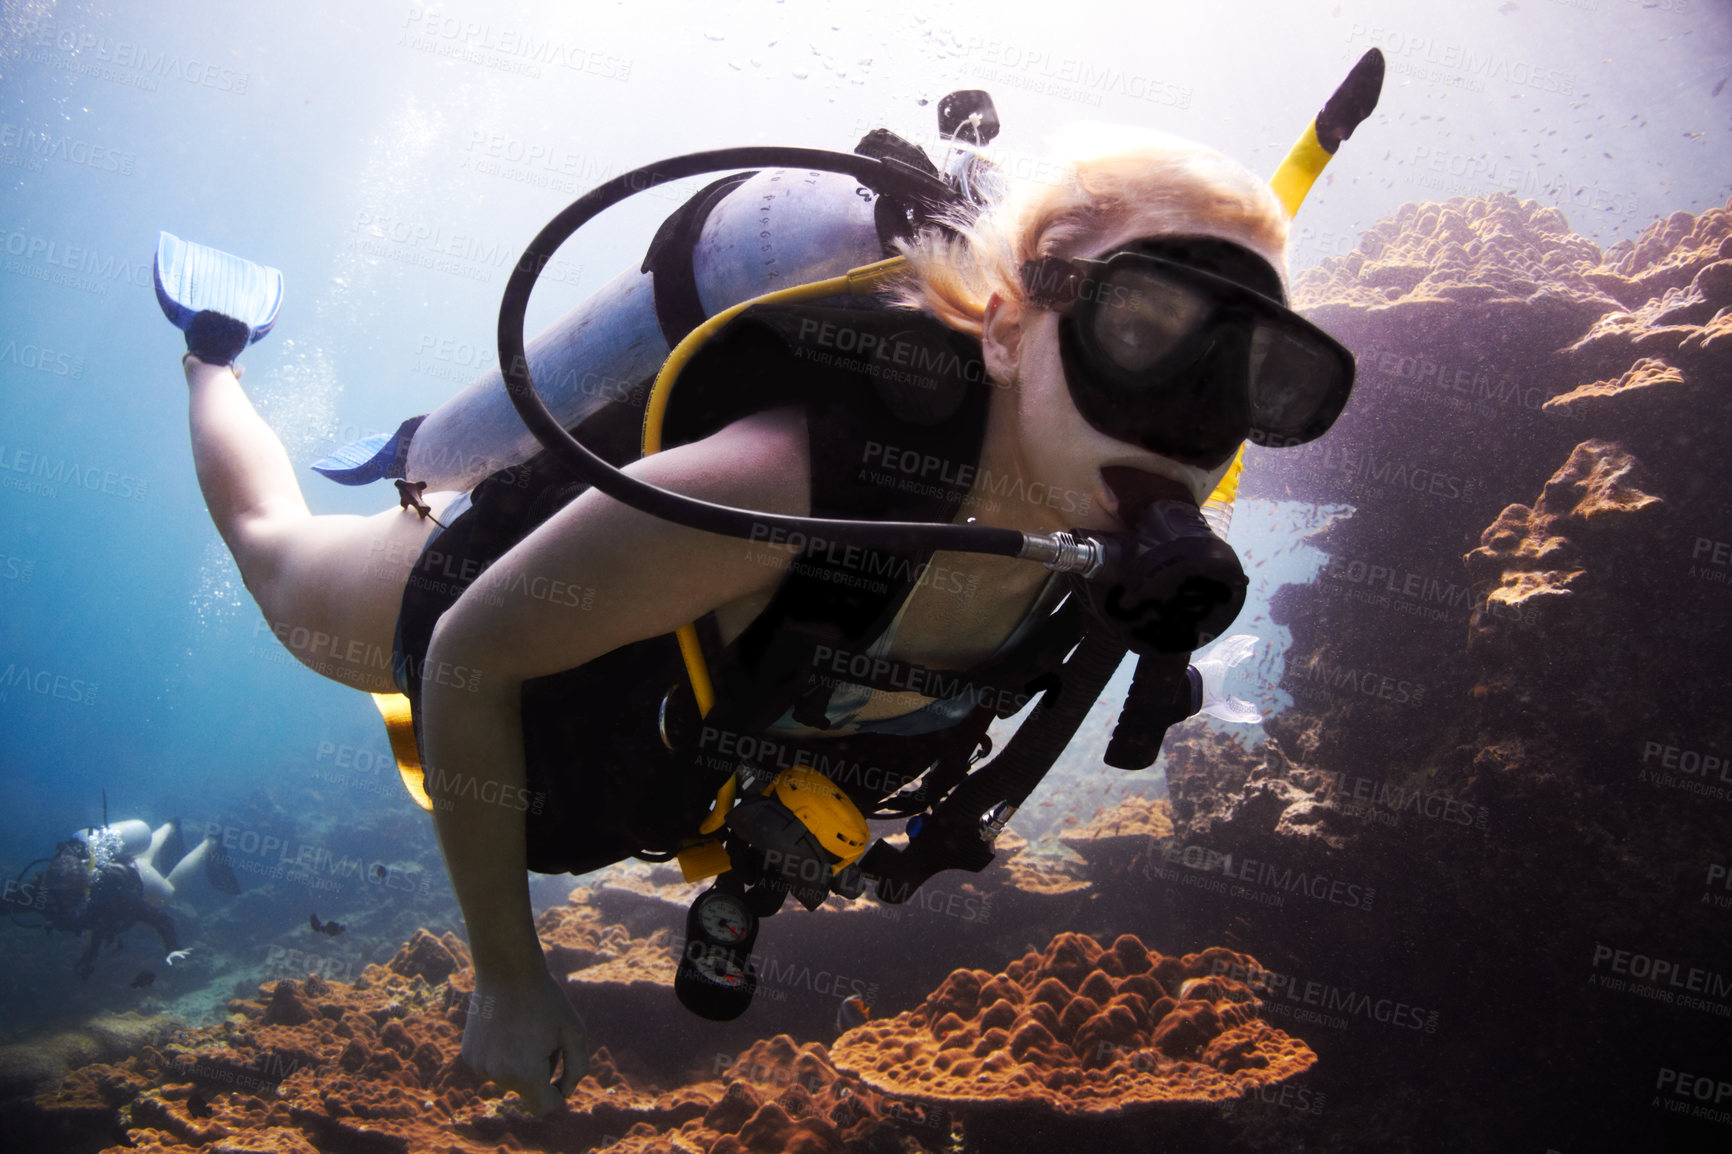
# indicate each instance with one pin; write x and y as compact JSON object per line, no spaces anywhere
{"x":641,"y":577}
{"x":86,"y":962}
{"x":159,"y":921}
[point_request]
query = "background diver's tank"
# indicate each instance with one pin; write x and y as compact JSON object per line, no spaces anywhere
{"x":746,"y":235}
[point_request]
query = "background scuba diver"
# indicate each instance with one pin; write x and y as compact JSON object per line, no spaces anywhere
{"x":105,"y":880}
{"x":1179,"y":202}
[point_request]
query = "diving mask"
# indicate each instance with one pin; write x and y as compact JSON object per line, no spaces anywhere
{"x":1185,"y":346}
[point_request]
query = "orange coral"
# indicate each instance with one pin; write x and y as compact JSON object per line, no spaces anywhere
{"x":1466,"y":251}
{"x":1529,"y":552}
{"x":587,"y":951}
{"x":1081,"y":1031}
{"x":1647,"y":373}
{"x":779,"y":1096}
{"x":1042,"y":877}
{"x":1134,"y":817}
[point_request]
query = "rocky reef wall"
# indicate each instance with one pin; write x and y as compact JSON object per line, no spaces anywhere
{"x":1510,"y":676}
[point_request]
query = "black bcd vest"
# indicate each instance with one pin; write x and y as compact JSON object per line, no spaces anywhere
{"x":618,"y":760}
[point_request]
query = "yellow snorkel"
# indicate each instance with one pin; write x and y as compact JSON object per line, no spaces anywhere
{"x":1351,"y":103}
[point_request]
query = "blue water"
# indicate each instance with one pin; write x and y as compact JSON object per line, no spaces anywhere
{"x":352,"y":146}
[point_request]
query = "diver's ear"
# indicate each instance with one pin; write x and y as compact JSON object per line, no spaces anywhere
{"x":1001,"y":338}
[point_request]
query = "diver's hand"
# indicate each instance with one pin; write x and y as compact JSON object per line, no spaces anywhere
{"x":519,"y":1031}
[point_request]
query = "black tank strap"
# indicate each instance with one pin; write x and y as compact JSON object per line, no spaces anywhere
{"x":670,"y":255}
{"x":669,"y":259}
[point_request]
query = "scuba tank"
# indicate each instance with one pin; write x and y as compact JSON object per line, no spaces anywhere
{"x":738,"y":238}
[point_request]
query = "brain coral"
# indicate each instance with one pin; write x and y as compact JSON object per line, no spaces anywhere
{"x":1079,"y":1030}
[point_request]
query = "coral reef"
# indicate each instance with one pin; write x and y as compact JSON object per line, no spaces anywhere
{"x":320,"y":1065}
{"x":373,"y":1065}
{"x":27,"y":1066}
{"x":1115,"y":838}
{"x":1537,"y":552}
{"x":1225,"y":795}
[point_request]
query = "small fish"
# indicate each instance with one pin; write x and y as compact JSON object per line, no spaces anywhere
{"x":331,"y":929}
{"x":197,"y":1105}
{"x":144,"y":980}
{"x":380,"y":872}
{"x":852,"y":1012}
{"x":1718,"y":88}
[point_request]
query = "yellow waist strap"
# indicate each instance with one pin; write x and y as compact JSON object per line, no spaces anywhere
{"x":400,"y":728}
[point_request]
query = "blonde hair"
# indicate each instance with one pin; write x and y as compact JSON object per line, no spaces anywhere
{"x":1108,"y":176}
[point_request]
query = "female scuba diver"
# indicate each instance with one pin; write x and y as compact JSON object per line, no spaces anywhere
{"x":1099,"y":346}
{"x":103,"y":880}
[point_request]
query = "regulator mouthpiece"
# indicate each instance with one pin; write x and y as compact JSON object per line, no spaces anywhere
{"x":1170,"y":587}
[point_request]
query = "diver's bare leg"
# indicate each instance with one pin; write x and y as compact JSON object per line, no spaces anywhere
{"x":158,"y":838}
{"x":242,"y":467}
{"x":329,"y":586}
{"x":157,"y":890}
{"x":189,"y":865}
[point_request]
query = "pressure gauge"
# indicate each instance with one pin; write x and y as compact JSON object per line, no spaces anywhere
{"x":715,"y":978}
{"x":724,"y":918}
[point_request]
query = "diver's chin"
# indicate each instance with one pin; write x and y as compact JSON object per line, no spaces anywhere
{"x":1129,"y":490}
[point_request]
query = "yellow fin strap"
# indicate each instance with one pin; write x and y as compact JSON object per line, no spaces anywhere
{"x":400,"y":728}
{"x":1304,"y":164}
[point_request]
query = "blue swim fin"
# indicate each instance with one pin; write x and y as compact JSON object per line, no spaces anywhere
{"x":371,"y":458}
{"x":218,"y":872}
{"x":193,"y":278}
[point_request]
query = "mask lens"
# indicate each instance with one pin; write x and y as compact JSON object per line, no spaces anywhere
{"x":1186,"y":361}
{"x":1294,"y":380}
{"x":1141,"y":318}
